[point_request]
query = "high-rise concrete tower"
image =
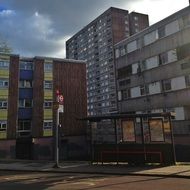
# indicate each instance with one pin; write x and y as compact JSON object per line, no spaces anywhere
{"x":94,"y":43}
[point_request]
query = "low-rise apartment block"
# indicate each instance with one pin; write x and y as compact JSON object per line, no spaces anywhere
{"x":27,"y":114}
{"x":153,"y":72}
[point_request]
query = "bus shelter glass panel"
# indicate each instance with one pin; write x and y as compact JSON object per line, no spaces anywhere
{"x":128,"y":128}
{"x":156,"y":130}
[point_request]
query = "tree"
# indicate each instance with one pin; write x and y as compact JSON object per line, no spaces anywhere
{"x":4,"y":47}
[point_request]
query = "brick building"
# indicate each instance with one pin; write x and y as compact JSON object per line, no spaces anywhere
{"x":27,"y":116}
{"x":94,"y":43}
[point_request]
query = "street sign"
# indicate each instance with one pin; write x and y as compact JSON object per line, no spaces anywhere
{"x":60,"y":99}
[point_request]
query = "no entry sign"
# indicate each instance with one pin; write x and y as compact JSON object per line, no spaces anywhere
{"x":61,"y":99}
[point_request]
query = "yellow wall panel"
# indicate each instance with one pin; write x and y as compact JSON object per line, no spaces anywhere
{"x":48,"y":76}
{"x":4,"y":73}
{"x":48,"y":94}
{"x":5,"y":56}
{"x":47,"y":133}
{"x":3,"y":135}
{"x":48,"y":61}
{"x":3,"y":114}
{"x":4,"y":93}
{"x":48,"y":114}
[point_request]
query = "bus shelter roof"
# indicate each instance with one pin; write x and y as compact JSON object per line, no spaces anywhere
{"x":127,"y":116}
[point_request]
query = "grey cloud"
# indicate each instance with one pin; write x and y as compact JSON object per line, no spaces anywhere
{"x":61,"y":18}
{"x":68,"y":15}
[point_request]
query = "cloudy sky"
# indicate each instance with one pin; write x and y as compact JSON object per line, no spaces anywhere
{"x":41,"y":27}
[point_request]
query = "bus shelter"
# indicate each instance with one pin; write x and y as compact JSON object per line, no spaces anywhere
{"x":135,"y":138}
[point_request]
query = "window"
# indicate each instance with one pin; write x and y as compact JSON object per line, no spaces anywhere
{"x":136,"y":24}
{"x":25,"y":103}
{"x":166,"y":85}
{"x":144,"y":90}
{"x":132,"y":46}
{"x":172,"y":55}
{"x":143,"y":65}
{"x":178,"y":83}
{"x":24,"y":65}
{"x":187,"y":80}
{"x":3,"y":126}
{"x":152,"y":62}
{"x":124,"y":72}
{"x":25,"y":84}
{"x":161,"y":32}
{"x":3,"y":104}
{"x":154,"y":88}
{"x":48,"y":67}
{"x":122,"y":51}
{"x":4,"y":64}
{"x":136,"y":30}
{"x":185,"y":65}
{"x":48,"y":125}
{"x":172,"y":27}
{"x":125,"y":94}
{"x":163,"y":58}
{"x":48,"y":104}
{"x":135,"y":67}
{"x":186,"y":20}
{"x":4,"y":83}
{"x":48,"y":85}
{"x":150,"y":37}
{"x":124,"y":82}
{"x":24,"y":125}
{"x":183,"y":51}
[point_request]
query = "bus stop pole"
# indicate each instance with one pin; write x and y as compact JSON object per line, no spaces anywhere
{"x":57,"y":140}
{"x":116,"y":143}
{"x":142,"y":135}
{"x":172,"y":139}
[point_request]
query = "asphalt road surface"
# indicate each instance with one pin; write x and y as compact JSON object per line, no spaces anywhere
{"x":61,"y":181}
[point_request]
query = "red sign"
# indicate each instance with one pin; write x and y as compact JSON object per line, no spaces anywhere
{"x":57,"y":92}
{"x":60,"y":99}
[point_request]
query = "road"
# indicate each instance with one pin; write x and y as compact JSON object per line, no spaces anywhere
{"x":62,"y":181}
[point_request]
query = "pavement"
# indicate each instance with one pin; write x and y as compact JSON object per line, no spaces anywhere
{"x":180,"y":170}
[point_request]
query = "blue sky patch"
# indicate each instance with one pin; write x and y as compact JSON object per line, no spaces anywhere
{"x":2,"y":8}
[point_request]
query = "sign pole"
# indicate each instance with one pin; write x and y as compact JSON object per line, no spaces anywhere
{"x":59,"y":108}
{"x":56,"y":131}
{"x":57,"y":140}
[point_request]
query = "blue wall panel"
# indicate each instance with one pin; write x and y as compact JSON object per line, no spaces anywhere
{"x":25,"y":93}
{"x":26,"y":74}
{"x":25,"y":113}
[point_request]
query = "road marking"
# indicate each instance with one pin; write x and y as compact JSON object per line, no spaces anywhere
{"x":73,"y":166}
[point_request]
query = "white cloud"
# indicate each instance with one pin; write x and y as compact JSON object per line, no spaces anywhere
{"x":61,"y":53}
{"x":5,"y":13}
{"x":32,"y":35}
{"x":157,"y":9}
{"x":42,"y":27}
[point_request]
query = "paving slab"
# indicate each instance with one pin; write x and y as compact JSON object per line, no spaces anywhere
{"x":182,"y":171}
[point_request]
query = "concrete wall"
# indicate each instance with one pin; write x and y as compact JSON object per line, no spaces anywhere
{"x":7,"y":149}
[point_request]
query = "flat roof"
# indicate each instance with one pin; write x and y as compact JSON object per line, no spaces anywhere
{"x":130,"y":116}
{"x":61,"y":59}
{"x":155,"y":26}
